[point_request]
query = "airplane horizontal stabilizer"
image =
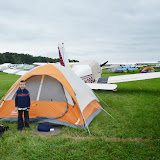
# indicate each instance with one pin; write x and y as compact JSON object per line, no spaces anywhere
{"x":102,"y":86}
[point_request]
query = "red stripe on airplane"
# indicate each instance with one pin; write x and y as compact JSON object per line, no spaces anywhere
{"x":60,"y":58}
{"x":86,"y":76}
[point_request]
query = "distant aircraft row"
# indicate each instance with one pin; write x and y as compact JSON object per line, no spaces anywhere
{"x":90,"y":71}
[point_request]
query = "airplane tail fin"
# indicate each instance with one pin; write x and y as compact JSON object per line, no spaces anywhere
{"x":60,"y":57}
{"x":63,"y":56}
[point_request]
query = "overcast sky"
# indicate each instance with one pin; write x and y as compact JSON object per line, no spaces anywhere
{"x":113,"y":30}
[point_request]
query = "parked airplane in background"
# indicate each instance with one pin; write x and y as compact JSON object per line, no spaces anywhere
{"x":90,"y":72}
{"x":4,"y":66}
{"x":19,"y":69}
{"x":127,"y":68}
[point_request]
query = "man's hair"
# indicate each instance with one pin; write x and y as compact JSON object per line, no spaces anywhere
{"x":22,"y":81}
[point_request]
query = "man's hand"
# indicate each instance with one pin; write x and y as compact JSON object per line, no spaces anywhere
{"x":16,"y":109}
{"x":28,"y":109}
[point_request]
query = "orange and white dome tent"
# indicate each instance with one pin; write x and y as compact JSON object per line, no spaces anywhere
{"x":57,"y":95}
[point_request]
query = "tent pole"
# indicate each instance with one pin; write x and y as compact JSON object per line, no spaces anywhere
{"x":86,"y":124}
{"x":84,"y":120}
{"x":40,"y":87}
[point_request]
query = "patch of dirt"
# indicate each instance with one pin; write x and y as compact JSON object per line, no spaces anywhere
{"x":111,"y":139}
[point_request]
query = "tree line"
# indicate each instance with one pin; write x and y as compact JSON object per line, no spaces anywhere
{"x":15,"y":58}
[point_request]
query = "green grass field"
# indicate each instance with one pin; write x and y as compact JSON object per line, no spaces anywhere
{"x":134,"y":133}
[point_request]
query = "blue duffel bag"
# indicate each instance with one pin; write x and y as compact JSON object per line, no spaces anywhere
{"x":44,"y":128}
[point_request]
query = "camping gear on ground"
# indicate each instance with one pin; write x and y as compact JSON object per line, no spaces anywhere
{"x":53,"y":131}
{"x":58,"y":97}
{"x":44,"y":128}
{"x":3,"y":128}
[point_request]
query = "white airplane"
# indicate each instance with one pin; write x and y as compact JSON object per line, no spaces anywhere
{"x":21,"y":69}
{"x":39,"y":63}
{"x":90,"y":72}
{"x":18,"y":69}
{"x":4,"y":66}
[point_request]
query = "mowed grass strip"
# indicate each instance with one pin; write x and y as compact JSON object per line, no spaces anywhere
{"x":132,"y":134}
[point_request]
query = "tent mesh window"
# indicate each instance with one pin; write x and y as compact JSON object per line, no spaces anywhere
{"x":32,"y":86}
{"x":52,"y":90}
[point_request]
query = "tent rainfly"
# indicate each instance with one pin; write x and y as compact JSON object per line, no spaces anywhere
{"x":57,"y":95}
{"x":147,"y":69}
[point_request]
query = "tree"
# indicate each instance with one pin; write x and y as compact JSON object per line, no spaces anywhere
{"x":16,"y":58}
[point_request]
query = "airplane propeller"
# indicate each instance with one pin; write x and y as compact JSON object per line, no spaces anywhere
{"x":101,"y":65}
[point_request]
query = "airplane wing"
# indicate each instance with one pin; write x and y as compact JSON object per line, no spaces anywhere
{"x":124,"y":69}
{"x":21,"y":72}
{"x":11,"y":71}
{"x":132,"y":69}
{"x":133,"y":77}
{"x":15,"y":71}
{"x":102,"y":86}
